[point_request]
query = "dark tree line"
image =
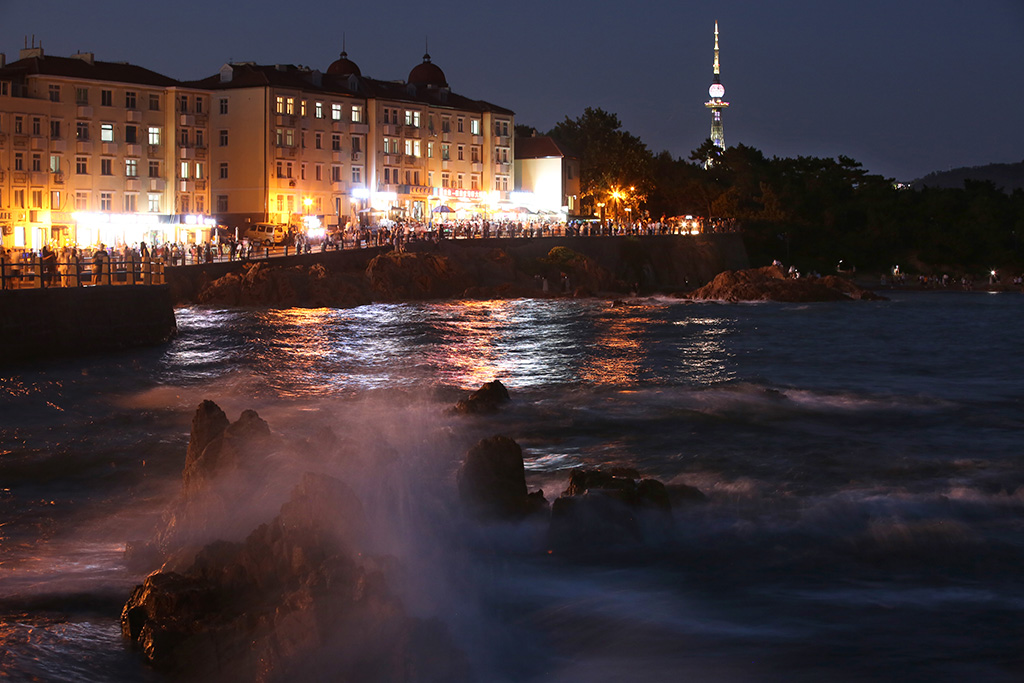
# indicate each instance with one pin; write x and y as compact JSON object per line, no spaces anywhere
{"x":814,"y":211}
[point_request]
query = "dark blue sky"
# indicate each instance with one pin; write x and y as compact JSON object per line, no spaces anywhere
{"x":904,"y":86}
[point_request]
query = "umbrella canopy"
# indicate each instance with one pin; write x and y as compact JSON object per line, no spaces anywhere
{"x":444,"y":208}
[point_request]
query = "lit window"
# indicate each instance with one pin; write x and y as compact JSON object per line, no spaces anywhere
{"x":106,"y":201}
{"x":129,"y":203}
{"x":430,"y":150}
{"x":336,"y":112}
{"x":289,"y":108}
{"x":357,"y":114}
{"x":107,"y":132}
{"x":318,"y":110}
{"x":81,"y":201}
{"x":154,"y":135}
{"x":54,"y":163}
{"x":279,"y":108}
{"x":154,"y":203}
{"x":474,"y":126}
{"x":131,"y":168}
{"x":199,"y":170}
{"x":357,"y":174}
{"x":184,"y":171}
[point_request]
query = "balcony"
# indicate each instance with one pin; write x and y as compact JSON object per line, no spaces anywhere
{"x":39,"y":178}
{"x":412,"y":132}
{"x":19,"y":177}
{"x":38,"y":143}
{"x":338,"y":186}
{"x":200,"y":152}
{"x":153,"y":150}
{"x":133,"y":150}
{"x":185,"y":186}
{"x":202,"y":120}
{"x":186,"y":120}
{"x":286,"y":152}
{"x":476,"y":167}
{"x":157,"y":184}
{"x":360,"y":128}
{"x":284,"y":120}
{"x":58,"y":145}
{"x":357,"y":156}
{"x":133,"y":116}
{"x":200,"y":185}
{"x":83,"y":147}
{"x":502,"y":141}
{"x":109,"y":148}
{"x":478,"y":139}
{"x":389,"y":129}
{"x":132,"y":185}
{"x":187,"y":153}
{"x":502,"y":167}
{"x":21,"y":141}
{"x":84,"y":111}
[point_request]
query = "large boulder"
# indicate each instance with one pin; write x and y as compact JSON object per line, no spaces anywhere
{"x":486,"y":399}
{"x":771,"y":284}
{"x":492,"y":481}
{"x":602,"y":511}
{"x":296,"y":591}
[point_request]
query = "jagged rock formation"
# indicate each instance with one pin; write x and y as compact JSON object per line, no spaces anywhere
{"x":771,"y":284}
{"x":492,"y":481}
{"x":295,"y":589}
{"x":486,"y":399}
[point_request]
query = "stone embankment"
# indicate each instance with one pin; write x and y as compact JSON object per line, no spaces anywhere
{"x":484,"y":268}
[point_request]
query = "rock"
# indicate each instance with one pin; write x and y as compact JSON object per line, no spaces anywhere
{"x":295,"y":593}
{"x":771,"y":284}
{"x":211,"y":451}
{"x":492,"y":481}
{"x":602,"y":511}
{"x":486,"y":399}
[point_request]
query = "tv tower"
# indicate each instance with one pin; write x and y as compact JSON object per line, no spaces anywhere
{"x":715,"y":104}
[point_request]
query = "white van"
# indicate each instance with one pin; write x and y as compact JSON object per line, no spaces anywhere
{"x":265,"y":234}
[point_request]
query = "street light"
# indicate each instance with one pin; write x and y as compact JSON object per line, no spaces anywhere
{"x":600,"y":205}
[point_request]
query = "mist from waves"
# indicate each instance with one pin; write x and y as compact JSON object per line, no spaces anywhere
{"x":865,"y":504}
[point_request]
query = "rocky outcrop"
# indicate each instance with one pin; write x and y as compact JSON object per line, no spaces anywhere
{"x":486,"y":399}
{"x":601,"y":511}
{"x":771,"y":284}
{"x":264,"y":284}
{"x":295,"y":589}
{"x":492,"y":481}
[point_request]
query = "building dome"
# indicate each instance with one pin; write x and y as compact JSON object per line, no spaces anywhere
{"x":343,"y":66}
{"x":428,"y":74}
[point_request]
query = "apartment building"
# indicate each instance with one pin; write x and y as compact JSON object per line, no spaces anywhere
{"x":94,"y":151}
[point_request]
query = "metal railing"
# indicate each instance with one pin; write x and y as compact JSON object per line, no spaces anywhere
{"x":33,"y":272}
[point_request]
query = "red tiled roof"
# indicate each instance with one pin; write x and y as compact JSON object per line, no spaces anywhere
{"x":541,"y":147}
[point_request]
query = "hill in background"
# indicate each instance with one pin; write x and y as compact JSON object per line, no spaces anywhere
{"x":1007,"y":177}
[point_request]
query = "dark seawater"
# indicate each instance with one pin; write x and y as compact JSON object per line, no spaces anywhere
{"x":862,"y":462}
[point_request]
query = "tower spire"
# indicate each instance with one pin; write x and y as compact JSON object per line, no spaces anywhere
{"x":716,"y":104}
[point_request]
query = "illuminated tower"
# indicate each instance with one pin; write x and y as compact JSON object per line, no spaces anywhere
{"x":715,"y":104}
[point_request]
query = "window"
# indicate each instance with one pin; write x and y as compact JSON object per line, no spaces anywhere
{"x":37,"y":163}
{"x":336,"y":142}
{"x":446,"y":125}
{"x":131,"y":168}
{"x":183,"y":174}
{"x":37,"y":199}
{"x":318,"y":140}
{"x":474,"y":126}
{"x":318,"y":172}
{"x":357,"y":174}
{"x":81,"y":201}
{"x":19,"y":161}
{"x":474,"y":154}
{"x":129,"y":99}
{"x":200,"y":204}
{"x":54,"y":93}
{"x":335,"y":174}
{"x":280,"y":169}
{"x":198,"y":171}
{"x":106,"y":166}
{"x":430,"y":150}
{"x":37,"y":125}
{"x":408,"y":177}
{"x":107,"y":98}
{"x":183,"y":104}
{"x":154,"y":102}
{"x":408,"y":148}
{"x":154,"y":203}
{"x":154,"y":169}
{"x":445,"y":152}
{"x":357,"y":144}
{"x":54,"y":163}
{"x":302,"y":108}
{"x":289,"y":137}
{"x":131,"y":134}
{"x":106,"y":201}
{"x":318,"y":110}
{"x":279,"y":105}
{"x":222,"y":203}
{"x":412,"y":118}
{"x":184,"y":204}
{"x":289,"y":106}
{"x":223,"y":105}
{"x":55,"y":130}
{"x":55,"y":200}
{"x":223,"y":138}
{"x":19,"y":203}
{"x":19,"y":123}
{"x":199,"y":105}
{"x":280,"y":203}
{"x":336,"y":112}
{"x":302,"y":171}
{"x":223,"y":169}
{"x":81,"y":96}
{"x":462,"y":152}
{"x":357,"y":114}
{"x":82,"y":165}
{"x":416,"y":149}
{"x":154,"y":135}
{"x":200,"y":138}
{"x":106,"y":132}
{"x":129,"y":203}
{"x":81,"y":130}
{"x":445,"y":179}
{"x":183,"y":137}
{"x":461,"y":122}
{"x":474,"y":182}
{"x":279,"y":137}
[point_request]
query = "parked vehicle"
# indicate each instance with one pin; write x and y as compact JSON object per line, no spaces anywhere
{"x":265,"y":234}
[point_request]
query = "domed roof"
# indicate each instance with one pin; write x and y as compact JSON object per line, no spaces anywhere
{"x":343,"y":66}
{"x":428,"y":74}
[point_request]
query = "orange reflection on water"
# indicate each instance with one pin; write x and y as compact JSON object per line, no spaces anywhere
{"x":472,"y":359}
{"x":619,"y":354}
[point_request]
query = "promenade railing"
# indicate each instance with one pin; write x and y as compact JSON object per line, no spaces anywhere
{"x":34,"y":272}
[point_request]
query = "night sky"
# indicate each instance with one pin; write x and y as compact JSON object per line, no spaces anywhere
{"x":904,"y":86}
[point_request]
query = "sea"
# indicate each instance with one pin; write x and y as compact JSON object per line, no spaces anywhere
{"x":862,"y":464}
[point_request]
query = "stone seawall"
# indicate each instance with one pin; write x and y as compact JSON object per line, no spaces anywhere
{"x":661,"y":263}
{"x":45,"y":323}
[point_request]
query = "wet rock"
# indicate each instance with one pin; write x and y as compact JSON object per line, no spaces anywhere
{"x":771,"y":284}
{"x":604,"y":510}
{"x":486,"y":399}
{"x":295,"y":592}
{"x":492,"y":481}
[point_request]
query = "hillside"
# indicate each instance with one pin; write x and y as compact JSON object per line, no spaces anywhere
{"x":1007,"y":177}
